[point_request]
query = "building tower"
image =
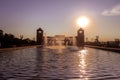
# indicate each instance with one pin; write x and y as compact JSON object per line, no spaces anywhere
{"x":80,"y":37}
{"x":39,"y":36}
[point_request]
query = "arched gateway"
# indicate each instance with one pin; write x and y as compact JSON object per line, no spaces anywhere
{"x":60,"y":39}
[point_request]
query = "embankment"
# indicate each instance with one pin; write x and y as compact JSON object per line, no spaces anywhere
{"x":104,"y":48}
{"x":15,"y":48}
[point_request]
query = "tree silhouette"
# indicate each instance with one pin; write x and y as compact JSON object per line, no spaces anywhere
{"x":9,"y":40}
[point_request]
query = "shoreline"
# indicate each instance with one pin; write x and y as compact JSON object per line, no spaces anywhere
{"x":105,"y":48}
{"x":16,"y":48}
{"x":24,"y":47}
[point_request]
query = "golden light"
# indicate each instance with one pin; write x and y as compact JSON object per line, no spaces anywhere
{"x":82,"y":21}
{"x":83,"y":51}
{"x":82,"y":64}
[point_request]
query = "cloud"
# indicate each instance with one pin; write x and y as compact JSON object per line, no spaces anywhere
{"x":115,"y":11}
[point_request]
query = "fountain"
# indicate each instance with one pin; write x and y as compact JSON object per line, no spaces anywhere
{"x":57,"y":44}
{"x":73,"y":47}
{"x":74,"y":41}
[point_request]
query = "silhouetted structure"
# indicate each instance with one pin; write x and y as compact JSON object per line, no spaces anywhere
{"x":1,"y":37}
{"x":97,"y":39}
{"x":1,"y":32}
{"x":39,"y":36}
{"x":66,"y":41}
{"x":59,"y":40}
{"x":112,"y":44}
{"x":80,"y":37}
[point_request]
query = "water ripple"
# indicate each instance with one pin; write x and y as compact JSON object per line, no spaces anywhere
{"x":59,"y":64}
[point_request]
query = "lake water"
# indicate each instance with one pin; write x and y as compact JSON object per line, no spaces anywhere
{"x":44,"y":63}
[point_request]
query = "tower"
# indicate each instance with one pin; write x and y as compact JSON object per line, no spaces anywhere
{"x":80,"y":37}
{"x":39,"y":36}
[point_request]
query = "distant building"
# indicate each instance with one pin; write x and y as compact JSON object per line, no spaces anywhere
{"x":80,"y":37}
{"x":60,"y":40}
{"x":39,"y":36}
{"x":56,"y":40}
{"x":60,"y":37}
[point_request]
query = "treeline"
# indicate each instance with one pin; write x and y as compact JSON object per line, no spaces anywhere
{"x":112,"y":44}
{"x":9,"y":40}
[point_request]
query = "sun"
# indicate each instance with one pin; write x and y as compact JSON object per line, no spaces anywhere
{"x":82,"y":21}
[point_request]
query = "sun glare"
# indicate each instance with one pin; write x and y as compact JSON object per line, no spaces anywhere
{"x":82,"y":21}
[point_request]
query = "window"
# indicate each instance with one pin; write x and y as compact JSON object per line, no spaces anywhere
{"x":80,"y":32}
{"x":39,"y":31}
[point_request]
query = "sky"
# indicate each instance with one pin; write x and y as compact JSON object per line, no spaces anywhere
{"x":58,"y":17}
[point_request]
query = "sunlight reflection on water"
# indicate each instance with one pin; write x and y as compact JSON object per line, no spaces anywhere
{"x":65,"y":63}
{"x":82,"y":63}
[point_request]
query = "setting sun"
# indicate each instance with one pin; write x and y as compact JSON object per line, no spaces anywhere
{"x":82,"y":21}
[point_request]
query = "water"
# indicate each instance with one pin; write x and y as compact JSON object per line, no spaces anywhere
{"x":51,"y":64}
